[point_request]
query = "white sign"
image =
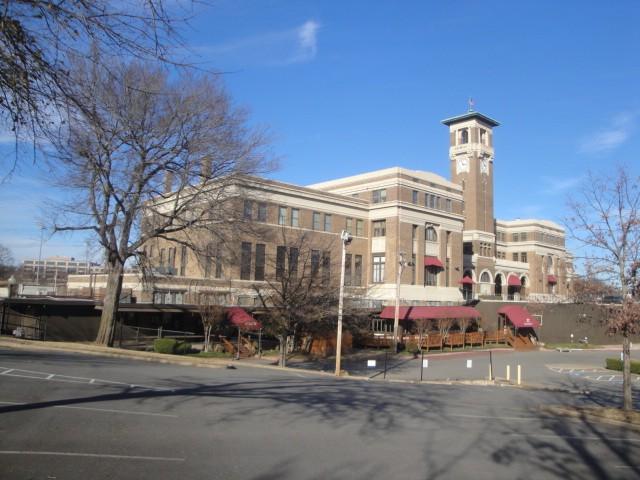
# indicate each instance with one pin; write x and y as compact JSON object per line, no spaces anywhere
{"x":425,"y":363}
{"x":469,"y":363}
{"x":371,"y":363}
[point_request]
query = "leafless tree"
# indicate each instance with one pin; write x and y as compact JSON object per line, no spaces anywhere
{"x":212,"y":314}
{"x":299,"y":288}
{"x":444,"y":325}
{"x":148,"y":157}
{"x":37,"y":38}
{"x":6,"y":261}
{"x":604,"y":218}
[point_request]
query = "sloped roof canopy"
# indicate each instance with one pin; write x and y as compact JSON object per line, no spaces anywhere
{"x":519,"y":316}
{"x":430,"y":313}
{"x":430,"y":261}
{"x":241,"y":319}
{"x":514,"y":281}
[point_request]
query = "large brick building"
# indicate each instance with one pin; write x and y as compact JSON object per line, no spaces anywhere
{"x":416,"y":235}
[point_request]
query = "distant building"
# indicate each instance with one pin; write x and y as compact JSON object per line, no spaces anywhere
{"x":68,"y":265}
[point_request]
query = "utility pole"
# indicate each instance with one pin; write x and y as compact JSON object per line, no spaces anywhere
{"x":346,"y":240}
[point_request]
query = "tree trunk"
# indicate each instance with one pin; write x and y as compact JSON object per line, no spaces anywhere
{"x":627,"y":399}
{"x":110,"y":304}
{"x":282,"y":362}
{"x":207,"y":338}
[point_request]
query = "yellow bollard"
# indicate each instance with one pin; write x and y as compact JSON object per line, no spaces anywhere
{"x":519,"y":374}
{"x":508,"y":373}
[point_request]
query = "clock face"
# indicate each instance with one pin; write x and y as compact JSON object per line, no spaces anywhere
{"x":463,"y":164}
{"x":484,"y":166}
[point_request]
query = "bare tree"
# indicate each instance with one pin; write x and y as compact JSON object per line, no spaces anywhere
{"x":605,"y":219}
{"x":299,"y":288}
{"x":149,"y":157}
{"x":6,"y":261}
{"x":37,"y":38}
{"x":211,"y":316}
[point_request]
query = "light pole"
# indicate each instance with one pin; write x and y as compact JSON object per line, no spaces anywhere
{"x":40,"y":225}
{"x":401,"y":264}
{"x":346,"y":240}
{"x":11,"y":281}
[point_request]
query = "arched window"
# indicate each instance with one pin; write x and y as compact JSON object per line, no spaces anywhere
{"x":550,"y":261}
{"x":485,"y":278}
{"x":464,"y":136}
{"x":430,"y":235}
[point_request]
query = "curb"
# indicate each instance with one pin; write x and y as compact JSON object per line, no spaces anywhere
{"x":583,"y":415}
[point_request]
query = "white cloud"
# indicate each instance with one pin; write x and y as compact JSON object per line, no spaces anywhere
{"x":611,"y":137}
{"x":295,"y":45}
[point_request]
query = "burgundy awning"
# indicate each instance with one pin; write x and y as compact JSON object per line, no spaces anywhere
{"x":467,"y":281}
{"x":436,"y":312}
{"x":431,"y":313}
{"x":242,"y":319}
{"x":519,"y":316}
{"x":430,"y":261}
{"x":390,"y":312}
{"x":552,"y":279}
{"x":514,"y":281}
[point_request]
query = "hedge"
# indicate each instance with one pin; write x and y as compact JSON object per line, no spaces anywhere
{"x":616,"y":364}
{"x":171,"y":346}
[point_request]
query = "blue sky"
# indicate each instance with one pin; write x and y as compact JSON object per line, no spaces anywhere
{"x":355,"y":86}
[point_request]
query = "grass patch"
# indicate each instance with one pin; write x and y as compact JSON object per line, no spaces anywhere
{"x":574,"y":346}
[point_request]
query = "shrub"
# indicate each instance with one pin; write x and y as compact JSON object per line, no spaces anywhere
{"x":412,"y":347}
{"x":616,"y":364}
{"x":171,"y":346}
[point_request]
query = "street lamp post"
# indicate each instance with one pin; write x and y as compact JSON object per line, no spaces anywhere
{"x":402,"y":263}
{"x":40,"y":225}
{"x":346,"y":240}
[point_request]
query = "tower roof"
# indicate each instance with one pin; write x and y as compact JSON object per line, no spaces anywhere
{"x":468,"y":116}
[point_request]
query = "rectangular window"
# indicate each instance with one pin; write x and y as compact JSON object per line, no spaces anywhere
{"x":447,"y":204}
{"x":293,"y":261}
{"x":260,"y":261}
{"x":315,"y":262}
{"x":357,"y":271}
{"x":380,"y":228}
{"x":295,"y":217}
{"x":359,"y":227}
{"x":171,"y":261}
{"x":523,"y":257}
{"x":248,"y":210}
{"x":414,"y":196}
{"x":431,"y":276}
{"x":432,"y":201}
{"x":316,"y":221}
{"x":282,"y":215}
{"x":218,"y":273}
{"x":245,"y":262}
{"x":380,"y":196}
{"x":262,"y":212}
{"x":327,"y":222}
{"x":208,"y":260}
{"x":326,"y":265}
{"x":183,"y":261}
{"x":160,"y":259}
{"x":515,"y":257}
{"x":514,"y":237}
{"x":378,"y":268}
{"x":347,"y":269}
{"x":437,"y":203}
{"x":281,"y":258}
{"x":348,"y":225}
{"x":523,"y":237}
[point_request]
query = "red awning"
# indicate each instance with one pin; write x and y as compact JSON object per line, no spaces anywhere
{"x":467,"y":281}
{"x":432,"y":262}
{"x":552,"y":279}
{"x":390,"y":312}
{"x":514,"y":281}
{"x":415,"y":313}
{"x":242,"y":319}
{"x":443,"y":312}
{"x":519,"y":316}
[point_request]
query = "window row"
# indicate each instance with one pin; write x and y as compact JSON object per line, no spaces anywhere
{"x":432,"y":201}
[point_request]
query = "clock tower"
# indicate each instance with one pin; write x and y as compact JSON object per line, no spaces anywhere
{"x":471,"y":156}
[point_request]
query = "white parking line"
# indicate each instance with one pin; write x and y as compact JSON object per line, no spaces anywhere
{"x":599,"y":439}
{"x":55,"y":377}
{"x":92,"y":455}
{"x":128,"y":412}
